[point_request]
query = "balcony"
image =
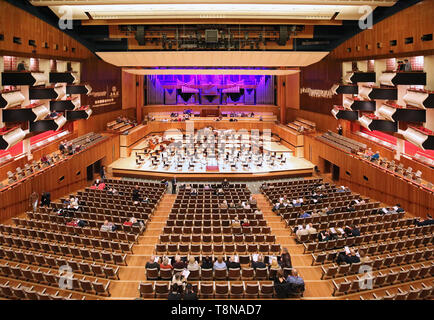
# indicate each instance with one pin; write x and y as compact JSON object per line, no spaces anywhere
{"x":371,"y":122}
{"x":359,"y":77}
{"x":78,"y":114}
{"x":44,"y":93}
{"x":340,"y":113}
{"x":25,"y":78}
{"x":78,"y":89}
{"x":48,"y":124}
{"x":10,"y":99}
{"x":63,"y":77}
{"x":419,"y":98}
{"x":378,"y":93}
{"x":33,"y":112}
{"x":403,"y":78}
{"x":399,"y":113}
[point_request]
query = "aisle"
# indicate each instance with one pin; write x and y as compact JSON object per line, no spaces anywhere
{"x":315,"y":288}
{"x":131,"y":275}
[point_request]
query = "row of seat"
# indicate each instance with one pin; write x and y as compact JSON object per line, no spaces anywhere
{"x":358,"y":217}
{"x":64,"y":250}
{"x":68,"y":239}
{"x":217,"y":230}
{"x":215,"y":216}
{"x":365,"y":229}
{"x":423,"y":292}
{"x":194,"y":249}
{"x":217,"y":238}
{"x":23,"y":292}
{"x":30,"y":231}
{"x":378,"y":279}
{"x":39,"y":221}
{"x":380,"y":262}
{"x":374,"y":248}
{"x":231,"y":274}
{"x":48,"y":278}
{"x":54,"y":262}
{"x":213,"y":290}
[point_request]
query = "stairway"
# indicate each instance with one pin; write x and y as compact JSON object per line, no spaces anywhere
{"x":315,"y":288}
{"x":131,"y":275}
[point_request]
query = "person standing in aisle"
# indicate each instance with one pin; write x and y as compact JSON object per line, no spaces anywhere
{"x":174,"y":185}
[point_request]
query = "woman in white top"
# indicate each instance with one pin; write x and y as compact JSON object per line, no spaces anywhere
{"x":192,"y":264}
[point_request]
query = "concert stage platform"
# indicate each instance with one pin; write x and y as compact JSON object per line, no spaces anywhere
{"x":294,"y":167}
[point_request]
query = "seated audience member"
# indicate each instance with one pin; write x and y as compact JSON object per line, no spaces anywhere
{"x":73,"y":203}
{"x":224,"y":205}
{"x":280,"y":285}
{"x":385,"y":211}
{"x":44,"y":160}
{"x":295,"y":283}
{"x":301,"y":231}
{"x":206,"y":263}
{"x":108,"y":226}
{"x":285,"y":259}
{"x":151,"y":264}
{"x":193,"y":192}
{"x":245,"y":205}
{"x":260,"y":262}
{"x":355,"y":232}
{"x":174,"y":292}
{"x":398,"y":208}
{"x":225,"y":183}
{"x":178,"y":279}
{"x":136,"y":194}
{"x":348,"y":257}
{"x":220,"y":192}
{"x":231,"y":264}
{"x":274,"y":265}
{"x":245,"y":223}
{"x":420,"y":222}
{"x":45,"y":199}
{"x":324,"y":235}
{"x":112,"y":191}
{"x":219,"y":263}
{"x":252,"y":200}
{"x":236,"y":222}
{"x":187,"y":187}
{"x":363,"y":257}
{"x":257,"y":211}
{"x":165,"y":264}
{"x":305,"y":214}
{"x":276,"y":207}
{"x":192,"y":264}
{"x":368,"y":153}
{"x":375,"y":156}
{"x":315,"y":213}
{"x":179,"y":264}
{"x":311,"y":229}
{"x":189,"y":293}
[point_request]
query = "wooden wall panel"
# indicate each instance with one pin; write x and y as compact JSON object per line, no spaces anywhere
{"x":414,"y":21}
{"x":323,"y":122}
{"x":320,"y":76}
{"x":98,"y":122}
{"x":16,"y":200}
{"x":102,"y":77}
{"x":15,"y":22}
{"x":371,"y":181}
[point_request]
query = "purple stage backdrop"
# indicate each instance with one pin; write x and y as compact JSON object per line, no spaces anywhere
{"x":210,"y":89}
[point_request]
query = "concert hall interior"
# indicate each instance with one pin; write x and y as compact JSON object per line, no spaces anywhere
{"x":212,"y":150}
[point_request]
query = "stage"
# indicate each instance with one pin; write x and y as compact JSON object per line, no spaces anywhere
{"x":216,"y":168}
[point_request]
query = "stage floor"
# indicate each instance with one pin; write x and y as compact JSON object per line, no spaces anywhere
{"x":213,"y":169}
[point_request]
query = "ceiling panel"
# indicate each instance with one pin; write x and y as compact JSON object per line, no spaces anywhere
{"x":212,"y":58}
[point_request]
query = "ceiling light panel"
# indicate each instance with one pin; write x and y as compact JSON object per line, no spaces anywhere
{"x":196,"y":10}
